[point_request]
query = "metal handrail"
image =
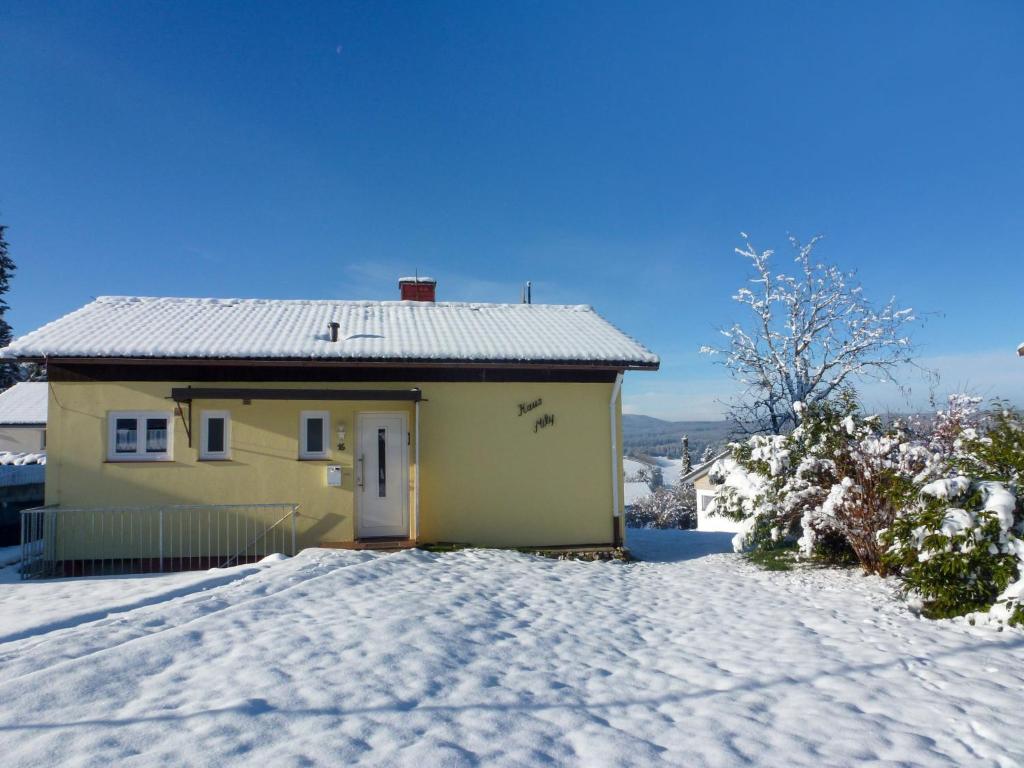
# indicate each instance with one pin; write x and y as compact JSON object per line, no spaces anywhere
{"x":73,"y":541}
{"x":161,"y":506}
{"x":291,"y":515}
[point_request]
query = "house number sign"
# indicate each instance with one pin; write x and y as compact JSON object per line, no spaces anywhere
{"x":542,"y":422}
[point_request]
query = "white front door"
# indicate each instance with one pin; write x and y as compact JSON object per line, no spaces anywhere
{"x":382,"y":475}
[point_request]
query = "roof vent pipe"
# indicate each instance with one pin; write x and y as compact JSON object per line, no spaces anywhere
{"x":334,"y":330}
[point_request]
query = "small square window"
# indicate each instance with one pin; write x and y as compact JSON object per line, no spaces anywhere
{"x":215,"y":435}
{"x":314,"y":427}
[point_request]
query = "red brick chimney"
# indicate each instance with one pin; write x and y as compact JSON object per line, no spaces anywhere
{"x":417,"y":288}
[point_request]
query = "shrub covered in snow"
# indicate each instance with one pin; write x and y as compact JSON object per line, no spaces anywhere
{"x":838,"y":477}
{"x":664,"y":508}
{"x":993,"y":447}
{"x":960,"y":548}
{"x":938,"y":503}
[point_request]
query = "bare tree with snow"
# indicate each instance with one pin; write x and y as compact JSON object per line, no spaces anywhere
{"x":807,"y":337}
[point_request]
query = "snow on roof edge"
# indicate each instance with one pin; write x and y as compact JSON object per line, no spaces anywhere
{"x":702,"y":469}
{"x":24,"y":404}
{"x":503,"y":333}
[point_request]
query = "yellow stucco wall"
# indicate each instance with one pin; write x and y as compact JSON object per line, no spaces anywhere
{"x":488,"y":477}
{"x":703,"y":483}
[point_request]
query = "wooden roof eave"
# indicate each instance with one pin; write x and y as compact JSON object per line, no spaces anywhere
{"x":188,"y":394}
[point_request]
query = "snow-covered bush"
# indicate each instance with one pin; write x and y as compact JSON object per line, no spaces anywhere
{"x":960,"y":548}
{"x":664,"y":508}
{"x":996,"y":450}
{"x":838,"y":477}
{"x":938,"y":503}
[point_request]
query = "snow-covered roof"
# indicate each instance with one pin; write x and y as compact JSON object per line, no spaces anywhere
{"x":702,"y":469}
{"x":24,"y":403}
{"x":152,"y":327}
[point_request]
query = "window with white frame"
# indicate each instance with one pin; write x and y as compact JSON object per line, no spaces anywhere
{"x":705,"y":500}
{"x":314,"y":431}
{"x":215,"y":436}
{"x":140,"y":436}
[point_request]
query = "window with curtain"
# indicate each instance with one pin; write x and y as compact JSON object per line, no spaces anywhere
{"x":140,"y":436}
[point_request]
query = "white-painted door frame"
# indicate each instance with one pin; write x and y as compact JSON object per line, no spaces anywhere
{"x":401,"y":527}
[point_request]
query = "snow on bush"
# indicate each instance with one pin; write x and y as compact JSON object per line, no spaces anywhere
{"x":664,"y":508}
{"x":831,"y":484}
{"x":739,"y":498}
{"x":938,"y":503}
{"x":960,"y":548}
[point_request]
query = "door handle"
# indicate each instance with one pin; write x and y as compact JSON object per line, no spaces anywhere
{"x":362,"y":473}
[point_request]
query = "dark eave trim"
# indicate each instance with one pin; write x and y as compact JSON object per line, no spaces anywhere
{"x":613,"y":365}
{"x":188,"y":394}
{"x":180,"y":375}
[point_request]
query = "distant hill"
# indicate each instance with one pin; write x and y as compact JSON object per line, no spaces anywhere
{"x":646,"y":435}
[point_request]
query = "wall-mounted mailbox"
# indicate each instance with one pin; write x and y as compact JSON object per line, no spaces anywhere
{"x":334,"y":475}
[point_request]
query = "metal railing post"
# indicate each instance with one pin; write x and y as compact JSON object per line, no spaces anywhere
{"x":24,"y":552}
{"x":160,"y":518}
{"x":293,"y":552}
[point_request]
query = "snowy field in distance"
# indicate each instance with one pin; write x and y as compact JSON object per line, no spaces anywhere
{"x":485,"y":657}
{"x":670,"y":468}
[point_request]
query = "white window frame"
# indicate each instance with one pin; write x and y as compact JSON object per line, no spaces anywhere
{"x":204,"y":421}
{"x":705,"y":499}
{"x":304,"y":418}
{"x":140,"y":453}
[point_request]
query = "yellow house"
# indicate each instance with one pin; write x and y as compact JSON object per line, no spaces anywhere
{"x":407,"y":421}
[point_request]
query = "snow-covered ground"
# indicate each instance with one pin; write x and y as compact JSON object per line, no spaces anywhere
{"x":633,"y":492}
{"x":670,"y":469}
{"x":631,"y":468}
{"x":485,"y":657}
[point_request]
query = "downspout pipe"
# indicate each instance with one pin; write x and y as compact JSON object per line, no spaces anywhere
{"x":616,"y":463}
{"x":416,"y":516}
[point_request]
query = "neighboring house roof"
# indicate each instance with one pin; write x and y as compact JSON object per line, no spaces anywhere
{"x":24,"y":404}
{"x":176,"y":328}
{"x":702,"y":469}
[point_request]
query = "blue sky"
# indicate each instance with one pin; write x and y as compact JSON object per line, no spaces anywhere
{"x":610,"y":152}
